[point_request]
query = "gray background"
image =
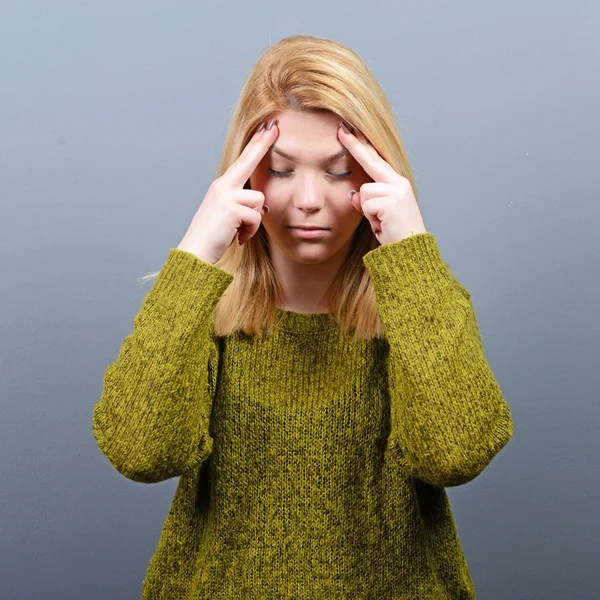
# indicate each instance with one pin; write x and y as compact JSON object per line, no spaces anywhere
{"x":112,"y":120}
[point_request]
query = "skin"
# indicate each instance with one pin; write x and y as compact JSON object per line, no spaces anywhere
{"x":308,"y":195}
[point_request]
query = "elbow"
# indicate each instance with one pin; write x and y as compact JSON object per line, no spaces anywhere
{"x":144,"y":469}
{"x":473,"y":462}
{"x":467,"y":462}
{"x":139,"y":463}
{"x":132,"y":465}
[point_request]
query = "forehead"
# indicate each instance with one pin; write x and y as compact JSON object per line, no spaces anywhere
{"x":308,"y":137}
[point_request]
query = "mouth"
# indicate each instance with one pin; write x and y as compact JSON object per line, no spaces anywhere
{"x":308,"y":233}
{"x":309,"y":228}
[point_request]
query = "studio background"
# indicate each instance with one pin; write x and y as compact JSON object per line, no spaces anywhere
{"x":112,"y":119}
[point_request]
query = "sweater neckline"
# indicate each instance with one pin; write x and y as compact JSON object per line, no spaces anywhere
{"x":296,"y":322}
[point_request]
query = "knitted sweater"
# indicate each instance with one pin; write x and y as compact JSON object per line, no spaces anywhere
{"x":310,"y":465}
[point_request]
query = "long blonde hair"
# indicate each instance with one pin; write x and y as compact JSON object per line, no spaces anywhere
{"x":308,"y":74}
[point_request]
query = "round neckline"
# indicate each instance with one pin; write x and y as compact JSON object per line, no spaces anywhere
{"x":295,"y":322}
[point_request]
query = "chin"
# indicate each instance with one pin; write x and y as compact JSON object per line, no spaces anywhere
{"x":306,"y":253}
{"x":310,"y":260}
{"x":312,"y":253}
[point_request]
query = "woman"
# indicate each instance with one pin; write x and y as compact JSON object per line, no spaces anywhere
{"x":315,"y":392}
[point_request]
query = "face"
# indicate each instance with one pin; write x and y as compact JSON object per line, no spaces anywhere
{"x":303,"y":188}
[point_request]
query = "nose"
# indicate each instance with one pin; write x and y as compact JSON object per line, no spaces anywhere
{"x":308,"y":196}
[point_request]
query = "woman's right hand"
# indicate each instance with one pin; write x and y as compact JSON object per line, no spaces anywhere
{"x":228,"y":208}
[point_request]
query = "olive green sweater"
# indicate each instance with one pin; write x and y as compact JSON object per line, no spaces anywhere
{"x":311,"y":466}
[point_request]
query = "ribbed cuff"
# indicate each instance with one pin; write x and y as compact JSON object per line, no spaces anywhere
{"x":414,"y":262}
{"x":184,"y":274}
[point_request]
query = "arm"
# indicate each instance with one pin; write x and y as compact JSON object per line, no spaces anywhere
{"x":448,"y":415}
{"x":151,"y":420}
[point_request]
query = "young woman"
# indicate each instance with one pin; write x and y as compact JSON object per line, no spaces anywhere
{"x":315,"y":392}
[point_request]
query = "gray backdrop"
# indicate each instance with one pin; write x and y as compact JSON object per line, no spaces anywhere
{"x":112,"y":119}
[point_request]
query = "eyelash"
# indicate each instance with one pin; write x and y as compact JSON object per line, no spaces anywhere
{"x":286,"y":174}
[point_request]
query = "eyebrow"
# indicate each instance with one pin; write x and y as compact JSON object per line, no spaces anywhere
{"x":325,"y":161}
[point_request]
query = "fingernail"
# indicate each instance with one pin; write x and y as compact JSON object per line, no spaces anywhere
{"x":270,"y":125}
{"x":351,"y":193}
{"x":262,"y":126}
{"x":344,"y":126}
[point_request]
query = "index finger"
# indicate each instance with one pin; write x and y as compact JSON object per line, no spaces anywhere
{"x":368,"y":158}
{"x":239,"y":171}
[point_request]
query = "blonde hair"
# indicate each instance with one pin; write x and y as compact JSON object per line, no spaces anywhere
{"x":317,"y":75}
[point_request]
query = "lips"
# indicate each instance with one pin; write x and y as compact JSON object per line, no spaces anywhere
{"x":309,"y":228}
{"x":308,"y":234}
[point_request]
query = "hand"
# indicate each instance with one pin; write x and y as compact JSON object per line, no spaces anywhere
{"x":229,"y":209}
{"x":388,"y":202}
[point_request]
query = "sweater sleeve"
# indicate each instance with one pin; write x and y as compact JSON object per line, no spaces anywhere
{"x":151,"y":420}
{"x":448,"y":414}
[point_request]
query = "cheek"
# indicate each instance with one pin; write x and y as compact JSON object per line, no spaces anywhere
{"x":347,"y":217}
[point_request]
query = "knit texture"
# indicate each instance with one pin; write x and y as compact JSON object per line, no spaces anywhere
{"x":310,"y":465}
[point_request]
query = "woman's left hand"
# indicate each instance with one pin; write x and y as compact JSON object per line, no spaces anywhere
{"x":388,"y":202}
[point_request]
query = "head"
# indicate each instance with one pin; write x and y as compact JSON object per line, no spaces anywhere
{"x":309,"y":84}
{"x":306,"y":177}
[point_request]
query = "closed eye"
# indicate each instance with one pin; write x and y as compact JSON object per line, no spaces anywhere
{"x":287,"y":174}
